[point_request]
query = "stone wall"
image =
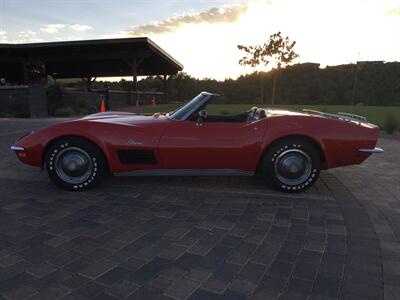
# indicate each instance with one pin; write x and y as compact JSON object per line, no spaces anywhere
{"x":77,"y":99}
{"x":121,"y":99}
{"x":14,"y":101}
{"x":117,"y":100}
{"x":24,"y":101}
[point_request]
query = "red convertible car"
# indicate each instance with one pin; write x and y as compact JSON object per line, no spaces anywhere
{"x":288,"y":148}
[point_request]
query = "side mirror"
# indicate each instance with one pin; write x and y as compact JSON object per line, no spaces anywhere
{"x":202,"y":115}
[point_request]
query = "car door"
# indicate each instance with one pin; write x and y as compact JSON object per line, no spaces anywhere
{"x":185,"y":145}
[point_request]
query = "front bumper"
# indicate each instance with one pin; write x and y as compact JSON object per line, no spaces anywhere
{"x":373,"y":150}
{"x":20,"y":152}
{"x":17,"y":148}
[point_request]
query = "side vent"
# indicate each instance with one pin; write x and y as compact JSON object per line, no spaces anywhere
{"x":145,"y":157}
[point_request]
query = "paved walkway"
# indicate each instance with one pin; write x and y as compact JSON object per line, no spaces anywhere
{"x":376,"y":186}
{"x":199,"y":238}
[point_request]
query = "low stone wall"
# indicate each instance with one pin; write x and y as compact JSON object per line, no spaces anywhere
{"x":14,"y":101}
{"x":37,"y":100}
{"x":116,"y":100}
{"x":78,"y":99}
{"x":121,"y":99}
{"x":24,"y":101}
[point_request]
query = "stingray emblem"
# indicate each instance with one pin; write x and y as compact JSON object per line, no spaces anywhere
{"x":133,"y":142}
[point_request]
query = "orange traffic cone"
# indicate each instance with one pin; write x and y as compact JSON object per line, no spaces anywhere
{"x":137,"y":103}
{"x":153,"y":102}
{"x":103,"y":106}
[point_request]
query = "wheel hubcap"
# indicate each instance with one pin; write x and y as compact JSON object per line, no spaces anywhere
{"x":73,"y":165}
{"x":293,"y":167}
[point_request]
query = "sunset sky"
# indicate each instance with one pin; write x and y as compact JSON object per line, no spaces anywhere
{"x":203,"y":35}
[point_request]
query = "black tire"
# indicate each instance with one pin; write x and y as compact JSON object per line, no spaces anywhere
{"x":291,"y":164}
{"x":75,"y":164}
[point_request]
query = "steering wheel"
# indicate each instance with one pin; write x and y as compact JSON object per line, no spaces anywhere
{"x":203,"y":114}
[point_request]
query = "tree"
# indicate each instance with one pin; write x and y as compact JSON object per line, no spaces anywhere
{"x":276,"y":50}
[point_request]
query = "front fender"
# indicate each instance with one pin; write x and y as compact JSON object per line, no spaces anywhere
{"x":37,"y":142}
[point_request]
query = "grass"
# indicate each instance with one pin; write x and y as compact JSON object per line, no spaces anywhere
{"x":375,"y":114}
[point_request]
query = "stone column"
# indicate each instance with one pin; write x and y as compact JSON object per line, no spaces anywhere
{"x":37,"y":99}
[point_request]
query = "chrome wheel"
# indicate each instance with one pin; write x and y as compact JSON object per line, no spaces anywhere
{"x":73,"y":165}
{"x":293,"y":167}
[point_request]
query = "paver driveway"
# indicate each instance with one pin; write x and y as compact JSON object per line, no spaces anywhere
{"x":198,"y":238}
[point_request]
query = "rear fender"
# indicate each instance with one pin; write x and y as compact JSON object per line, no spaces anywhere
{"x":279,"y":128}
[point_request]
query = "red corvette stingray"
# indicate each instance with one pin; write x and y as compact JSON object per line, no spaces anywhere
{"x":288,"y":148}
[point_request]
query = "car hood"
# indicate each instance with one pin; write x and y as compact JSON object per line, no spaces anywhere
{"x":108,"y":114}
{"x":123,"y":118}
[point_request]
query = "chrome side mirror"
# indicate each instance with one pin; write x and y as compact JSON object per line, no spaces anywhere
{"x":202,"y":115}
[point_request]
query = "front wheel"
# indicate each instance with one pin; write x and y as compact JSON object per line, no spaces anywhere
{"x":74,"y":163}
{"x":291,"y":165}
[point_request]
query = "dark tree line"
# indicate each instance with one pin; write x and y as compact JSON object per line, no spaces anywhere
{"x":369,"y":83}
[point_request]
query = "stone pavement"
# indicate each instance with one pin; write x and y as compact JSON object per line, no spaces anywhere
{"x":376,"y":186}
{"x":199,"y":238}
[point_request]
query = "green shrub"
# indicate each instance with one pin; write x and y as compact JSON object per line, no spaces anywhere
{"x":390,"y":124}
{"x":64,"y":112}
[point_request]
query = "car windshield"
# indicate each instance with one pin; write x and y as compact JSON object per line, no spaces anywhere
{"x":185,"y":109}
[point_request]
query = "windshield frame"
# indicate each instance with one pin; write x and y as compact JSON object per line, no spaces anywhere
{"x":187,"y":109}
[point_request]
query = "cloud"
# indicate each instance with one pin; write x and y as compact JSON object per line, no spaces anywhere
{"x":27,"y":36}
{"x":120,"y":34}
{"x":392,"y":8}
{"x":54,"y":28}
{"x":227,"y":14}
{"x":3,"y":37}
{"x":393,"y":12}
{"x":80,"y":28}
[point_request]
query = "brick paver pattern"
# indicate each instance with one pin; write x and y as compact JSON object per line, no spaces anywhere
{"x":198,"y":238}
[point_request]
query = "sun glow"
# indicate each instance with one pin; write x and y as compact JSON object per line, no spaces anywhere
{"x":326,"y":32}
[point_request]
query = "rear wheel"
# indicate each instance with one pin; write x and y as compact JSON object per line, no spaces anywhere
{"x":291,"y":164}
{"x":74,"y":163}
